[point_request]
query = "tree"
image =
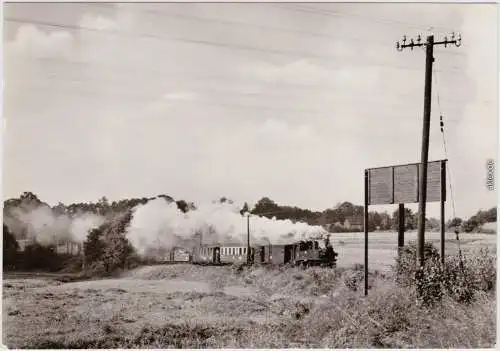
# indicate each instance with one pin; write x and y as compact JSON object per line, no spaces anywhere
{"x":107,"y":248}
{"x":28,"y":195}
{"x":166,"y":197}
{"x":264,"y":206}
{"x":224,"y":200}
{"x":182,"y":205}
{"x":93,"y":247}
{"x":244,"y":209}
{"x":454,"y":223}
{"x":374,"y":221}
{"x":10,"y":248}
{"x":385,"y":221}
{"x":59,"y":209}
{"x":470,"y":225}
{"x":491,"y":215}
{"x":432,"y":224}
{"x":410,"y":220}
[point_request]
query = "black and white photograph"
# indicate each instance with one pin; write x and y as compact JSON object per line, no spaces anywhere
{"x":249,"y":175}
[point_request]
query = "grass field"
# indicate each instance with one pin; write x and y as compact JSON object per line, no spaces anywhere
{"x":215,"y":307}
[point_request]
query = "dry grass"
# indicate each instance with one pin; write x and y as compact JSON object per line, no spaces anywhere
{"x":181,"y":306}
{"x":184,"y":306}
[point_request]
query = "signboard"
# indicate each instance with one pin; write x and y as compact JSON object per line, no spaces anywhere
{"x":406,"y":184}
{"x":381,"y":186}
{"x":400,"y":184}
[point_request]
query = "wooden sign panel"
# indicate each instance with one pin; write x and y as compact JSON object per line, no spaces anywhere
{"x":406,"y":184}
{"x":380,"y":185}
{"x":433,"y":181}
{"x":400,"y":184}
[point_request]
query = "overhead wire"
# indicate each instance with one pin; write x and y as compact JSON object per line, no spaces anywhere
{"x":220,"y":45}
{"x":195,"y":41}
{"x":127,"y":68}
{"x":343,"y":36}
{"x":131,"y":71}
{"x":441,"y":125}
{"x":275,"y":94}
{"x":368,"y":112}
{"x":336,"y":13}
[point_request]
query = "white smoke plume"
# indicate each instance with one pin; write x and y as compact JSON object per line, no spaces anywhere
{"x":40,"y":224}
{"x":82,"y":224}
{"x":161,"y":225}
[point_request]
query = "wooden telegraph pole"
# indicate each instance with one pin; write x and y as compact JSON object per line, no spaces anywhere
{"x":366,"y":218}
{"x":426,"y":126}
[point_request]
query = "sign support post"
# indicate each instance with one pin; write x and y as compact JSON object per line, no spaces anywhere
{"x":401,"y":229}
{"x":248,"y":239}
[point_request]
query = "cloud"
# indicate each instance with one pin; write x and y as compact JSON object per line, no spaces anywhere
{"x":30,"y":39}
{"x":304,"y":72}
{"x":97,"y":22}
{"x":180,"y":95}
{"x":279,"y":130}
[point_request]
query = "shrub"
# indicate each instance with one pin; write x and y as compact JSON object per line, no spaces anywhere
{"x":39,"y":257}
{"x":10,"y":248}
{"x":406,"y":262}
{"x":354,"y":278}
{"x":460,"y":277}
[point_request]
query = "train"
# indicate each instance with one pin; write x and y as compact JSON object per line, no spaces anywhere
{"x":302,"y":253}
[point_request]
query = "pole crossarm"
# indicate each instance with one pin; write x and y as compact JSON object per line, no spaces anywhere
{"x":456,"y":40}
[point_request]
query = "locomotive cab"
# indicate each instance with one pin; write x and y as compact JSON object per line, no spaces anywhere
{"x":309,"y":253}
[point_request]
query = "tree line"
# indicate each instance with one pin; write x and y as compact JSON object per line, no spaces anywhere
{"x":107,"y":249}
{"x":332,"y":219}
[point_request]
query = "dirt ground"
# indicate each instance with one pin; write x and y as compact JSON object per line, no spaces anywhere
{"x":43,"y":309}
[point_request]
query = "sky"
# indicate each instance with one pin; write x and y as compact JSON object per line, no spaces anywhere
{"x":204,"y":100}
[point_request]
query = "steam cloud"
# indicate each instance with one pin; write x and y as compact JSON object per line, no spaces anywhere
{"x":159,"y":224}
{"x":46,"y":228}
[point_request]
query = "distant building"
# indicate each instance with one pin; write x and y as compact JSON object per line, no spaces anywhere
{"x":332,"y":226}
{"x":354,"y":223}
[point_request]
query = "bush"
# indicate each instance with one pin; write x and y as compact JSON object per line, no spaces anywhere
{"x":460,"y":277}
{"x":10,"y":249}
{"x":353,"y":278}
{"x":406,"y":262}
{"x":39,"y":257}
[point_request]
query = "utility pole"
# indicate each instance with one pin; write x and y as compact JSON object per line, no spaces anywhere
{"x":426,"y":126}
